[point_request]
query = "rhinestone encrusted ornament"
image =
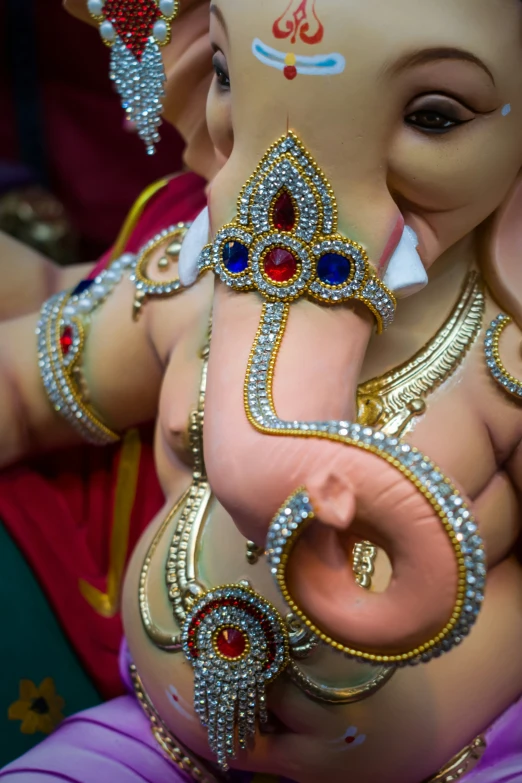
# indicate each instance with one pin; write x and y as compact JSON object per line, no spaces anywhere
{"x":63,"y":329}
{"x":499,"y":373}
{"x":284,"y":241}
{"x":456,"y":518}
{"x":135,"y":30}
{"x":237,"y":643}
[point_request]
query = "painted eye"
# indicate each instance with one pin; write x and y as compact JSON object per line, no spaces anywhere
{"x":437,"y":113}
{"x":220,"y":69}
{"x":432,"y":121}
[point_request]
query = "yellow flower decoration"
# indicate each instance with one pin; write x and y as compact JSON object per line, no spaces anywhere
{"x":39,"y":709}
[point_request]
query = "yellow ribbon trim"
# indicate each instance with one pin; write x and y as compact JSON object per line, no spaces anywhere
{"x":108,"y":604}
{"x":134,"y":215}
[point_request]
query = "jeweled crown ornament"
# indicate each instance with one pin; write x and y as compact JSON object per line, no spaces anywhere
{"x":237,"y":643}
{"x":135,"y":30}
{"x":284,"y":241}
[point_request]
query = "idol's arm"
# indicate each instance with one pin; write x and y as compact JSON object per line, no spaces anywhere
{"x":119,"y":376}
{"x":28,"y":278}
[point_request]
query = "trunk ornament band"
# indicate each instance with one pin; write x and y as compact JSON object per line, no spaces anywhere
{"x":284,"y":241}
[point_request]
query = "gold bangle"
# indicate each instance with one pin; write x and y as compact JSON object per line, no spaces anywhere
{"x":62,"y":331}
{"x":61,"y":340}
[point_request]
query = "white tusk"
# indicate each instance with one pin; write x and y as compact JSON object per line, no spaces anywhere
{"x":195,"y":240}
{"x":405,"y":274}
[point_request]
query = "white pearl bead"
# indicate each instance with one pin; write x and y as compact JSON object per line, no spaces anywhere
{"x":84,"y":306}
{"x":160,"y":31}
{"x":99,"y":291}
{"x":95,"y":7}
{"x":166,"y":7}
{"x":127,"y":260}
{"x":107,"y":31}
{"x":112,"y":276}
{"x":69,"y":311}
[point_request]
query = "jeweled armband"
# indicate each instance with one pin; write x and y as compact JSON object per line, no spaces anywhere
{"x":63,"y":326}
{"x":284,"y":241}
{"x":61,"y":336}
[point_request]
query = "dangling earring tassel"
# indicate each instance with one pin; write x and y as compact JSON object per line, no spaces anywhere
{"x":135,"y":30}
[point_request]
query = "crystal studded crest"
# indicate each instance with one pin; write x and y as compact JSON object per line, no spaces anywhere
{"x":285,"y":243}
{"x":135,"y":29}
{"x":237,"y":643}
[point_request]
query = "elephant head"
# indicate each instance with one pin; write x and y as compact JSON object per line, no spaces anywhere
{"x":410,"y":110}
{"x":416,"y":131}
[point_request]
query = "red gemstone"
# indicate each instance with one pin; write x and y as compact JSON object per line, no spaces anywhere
{"x":284,"y":212}
{"x":133,"y":21}
{"x":349,"y":740}
{"x":231,"y":643}
{"x":66,"y":340}
{"x":280,"y":265}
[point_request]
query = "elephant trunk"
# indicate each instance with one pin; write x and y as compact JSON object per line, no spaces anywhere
{"x":355,"y":493}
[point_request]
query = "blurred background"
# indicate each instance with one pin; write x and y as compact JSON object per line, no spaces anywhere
{"x":69,"y":167}
{"x":70,"y":170}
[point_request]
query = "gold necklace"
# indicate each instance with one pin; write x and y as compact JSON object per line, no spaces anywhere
{"x":184,"y":588}
{"x":397,"y":394}
{"x":391,"y":402}
{"x":406,"y":385}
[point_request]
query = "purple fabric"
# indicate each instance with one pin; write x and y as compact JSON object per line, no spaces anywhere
{"x":113,"y":743}
{"x":502,"y":761}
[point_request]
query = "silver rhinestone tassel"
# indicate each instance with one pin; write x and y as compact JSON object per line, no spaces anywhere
{"x":141,"y":86}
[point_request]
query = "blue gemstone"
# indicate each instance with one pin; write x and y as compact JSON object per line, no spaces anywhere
{"x":235,"y":257}
{"x":333,"y":269}
{"x":84,"y":285}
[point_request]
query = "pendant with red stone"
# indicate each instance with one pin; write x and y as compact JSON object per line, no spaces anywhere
{"x":237,"y":643}
{"x":135,"y":29}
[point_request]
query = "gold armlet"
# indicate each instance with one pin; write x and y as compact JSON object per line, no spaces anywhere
{"x":63,"y":328}
{"x":61,"y":332}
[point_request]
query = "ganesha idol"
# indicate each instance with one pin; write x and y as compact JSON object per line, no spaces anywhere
{"x":331,"y":591}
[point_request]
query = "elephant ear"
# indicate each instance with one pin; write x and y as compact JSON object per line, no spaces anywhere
{"x":188,"y":66}
{"x":502,"y":262}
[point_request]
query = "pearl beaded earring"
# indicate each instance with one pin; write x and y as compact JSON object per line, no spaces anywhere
{"x":135,"y":30}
